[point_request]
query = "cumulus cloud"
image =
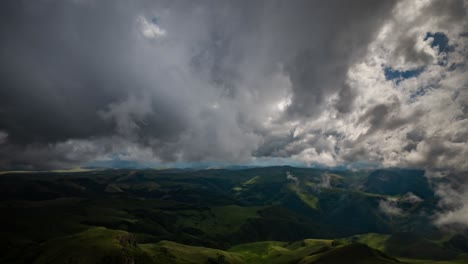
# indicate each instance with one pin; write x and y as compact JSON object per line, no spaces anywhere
{"x":325,"y":83}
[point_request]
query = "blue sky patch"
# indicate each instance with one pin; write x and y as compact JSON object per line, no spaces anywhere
{"x":398,"y":76}
{"x":440,"y":40}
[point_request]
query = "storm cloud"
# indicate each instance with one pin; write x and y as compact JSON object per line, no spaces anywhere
{"x":233,"y":82}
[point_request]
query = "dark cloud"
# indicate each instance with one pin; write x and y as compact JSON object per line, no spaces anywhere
{"x":274,"y":146}
{"x":319,"y":63}
{"x":449,"y":11}
{"x":346,"y":97}
{"x":58,"y":69}
{"x":208,"y":81}
{"x":387,"y":117}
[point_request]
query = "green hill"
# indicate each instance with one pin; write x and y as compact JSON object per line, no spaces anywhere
{"x":355,"y":253}
{"x":96,"y":245}
{"x":101,"y":245}
{"x":219,"y":215}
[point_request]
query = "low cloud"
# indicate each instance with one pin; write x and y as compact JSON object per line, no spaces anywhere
{"x":390,"y":207}
{"x":325,"y":181}
{"x":292,"y":178}
{"x":453,"y":194}
{"x":454,"y":217}
{"x":411,"y":198}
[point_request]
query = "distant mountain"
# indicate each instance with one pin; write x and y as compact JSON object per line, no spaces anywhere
{"x":398,"y":182}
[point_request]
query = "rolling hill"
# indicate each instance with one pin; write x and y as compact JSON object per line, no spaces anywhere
{"x":222,"y":215}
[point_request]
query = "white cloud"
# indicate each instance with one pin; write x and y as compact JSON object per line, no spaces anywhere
{"x":432,"y":112}
{"x":390,"y":208}
{"x":291,"y":177}
{"x":454,"y":208}
{"x":149,"y":29}
{"x":411,"y":198}
{"x":325,"y":180}
{"x":284,"y":103}
{"x":459,"y":216}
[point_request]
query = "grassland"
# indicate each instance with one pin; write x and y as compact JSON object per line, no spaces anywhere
{"x":101,"y":245}
{"x":217,"y":216}
{"x":96,"y":245}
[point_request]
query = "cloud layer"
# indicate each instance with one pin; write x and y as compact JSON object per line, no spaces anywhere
{"x":375,"y":83}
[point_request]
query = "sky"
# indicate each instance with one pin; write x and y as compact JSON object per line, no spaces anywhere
{"x":313,"y":83}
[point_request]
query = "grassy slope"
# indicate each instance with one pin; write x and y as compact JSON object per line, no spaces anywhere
{"x":351,"y":253}
{"x":280,"y":252}
{"x":218,"y":220}
{"x":462,"y":259}
{"x":373,"y":240}
{"x":379,"y":241}
{"x":171,"y":252}
{"x":307,"y":198}
{"x":305,"y":251}
{"x":101,"y":245}
{"x":96,"y":245}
